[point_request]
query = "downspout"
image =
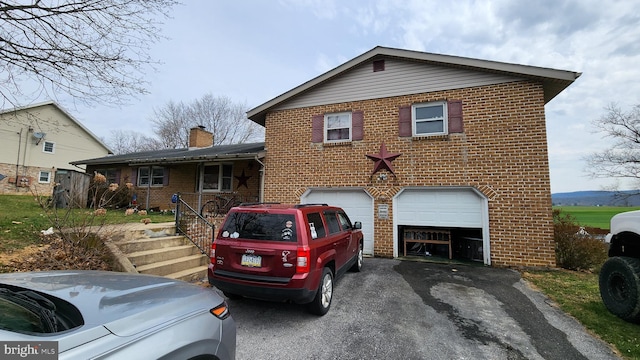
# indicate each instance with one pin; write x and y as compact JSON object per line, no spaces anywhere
{"x":24,"y":156}
{"x":262,"y":168}
{"x":18,"y":160}
{"x":199,"y":174}
{"x":149,"y":187}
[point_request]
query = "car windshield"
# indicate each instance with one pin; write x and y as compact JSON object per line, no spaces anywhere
{"x":26,"y":312}
{"x":260,"y":226}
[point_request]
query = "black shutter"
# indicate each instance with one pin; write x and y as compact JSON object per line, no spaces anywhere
{"x":317,"y":128}
{"x":134,"y":176}
{"x":357,"y":123}
{"x":165,"y":176}
{"x":404,"y":121}
{"x":455,"y":116}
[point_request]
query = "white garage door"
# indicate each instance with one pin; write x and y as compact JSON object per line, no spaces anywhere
{"x":356,"y":203}
{"x":439,"y":207}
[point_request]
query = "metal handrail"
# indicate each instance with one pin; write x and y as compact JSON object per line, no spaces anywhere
{"x":194,"y":226}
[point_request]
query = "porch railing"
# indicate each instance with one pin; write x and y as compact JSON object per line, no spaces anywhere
{"x":214,"y":204}
{"x":194,"y":226}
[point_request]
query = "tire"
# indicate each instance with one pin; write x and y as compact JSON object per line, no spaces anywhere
{"x":357,"y":266}
{"x":322,"y":301}
{"x":619,"y":283}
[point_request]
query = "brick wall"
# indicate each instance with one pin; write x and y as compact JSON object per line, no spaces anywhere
{"x":199,"y":137}
{"x":502,"y":152}
{"x":182,"y":178}
{"x":28,"y":178}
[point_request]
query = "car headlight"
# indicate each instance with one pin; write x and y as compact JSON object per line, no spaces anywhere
{"x":221,"y":311}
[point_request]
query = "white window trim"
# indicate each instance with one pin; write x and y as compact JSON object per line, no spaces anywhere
{"x":445,"y":121}
{"x":53,"y":147}
{"x":150,"y":184}
{"x":220,"y":177}
{"x":326,"y":127}
{"x":48,"y":177}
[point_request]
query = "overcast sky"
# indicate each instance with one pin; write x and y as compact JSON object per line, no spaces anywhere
{"x":254,"y":50}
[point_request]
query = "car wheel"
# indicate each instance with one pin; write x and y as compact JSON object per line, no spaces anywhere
{"x":619,"y":282}
{"x":357,"y":266}
{"x":321,"y":303}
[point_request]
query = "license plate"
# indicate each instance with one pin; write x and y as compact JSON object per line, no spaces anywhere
{"x":251,"y":260}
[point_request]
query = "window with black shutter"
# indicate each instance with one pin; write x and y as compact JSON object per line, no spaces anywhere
{"x":337,"y":127}
{"x":430,"y":119}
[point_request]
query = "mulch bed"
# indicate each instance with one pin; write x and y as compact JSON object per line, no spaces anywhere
{"x":52,"y":254}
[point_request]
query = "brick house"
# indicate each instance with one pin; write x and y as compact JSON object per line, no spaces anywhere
{"x":446,"y":151}
{"x":37,"y":144}
{"x":198,"y":172}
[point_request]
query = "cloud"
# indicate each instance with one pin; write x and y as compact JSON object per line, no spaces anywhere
{"x":560,"y":18}
{"x":253,"y":51}
{"x":323,"y":9}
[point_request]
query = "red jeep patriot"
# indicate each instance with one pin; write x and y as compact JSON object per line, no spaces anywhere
{"x":285,"y":252}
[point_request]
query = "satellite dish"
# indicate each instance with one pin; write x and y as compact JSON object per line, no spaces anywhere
{"x":39,"y":136}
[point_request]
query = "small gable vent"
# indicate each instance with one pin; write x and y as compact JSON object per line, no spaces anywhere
{"x":378,"y":65}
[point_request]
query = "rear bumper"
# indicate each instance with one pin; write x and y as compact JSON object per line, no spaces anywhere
{"x":260,"y":290}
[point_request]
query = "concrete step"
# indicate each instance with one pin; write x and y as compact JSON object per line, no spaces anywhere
{"x":156,"y":249}
{"x":195,"y":274}
{"x":166,"y":267}
{"x":145,"y":257}
{"x":129,"y":231}
{"x":155,"y":231}
{"x":143,"y":244}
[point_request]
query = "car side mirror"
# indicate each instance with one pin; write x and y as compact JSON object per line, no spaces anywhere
{"x":357,"y":225}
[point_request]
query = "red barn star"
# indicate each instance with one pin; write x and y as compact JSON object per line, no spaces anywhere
{"x":242,"y":180}
{"x":383,"y":160}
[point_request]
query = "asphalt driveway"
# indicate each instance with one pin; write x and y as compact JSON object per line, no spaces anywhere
{"x":415,"y":310}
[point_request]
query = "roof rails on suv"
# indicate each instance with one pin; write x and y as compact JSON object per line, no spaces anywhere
{"x":258,"y":203}
{"x":298,"y":206}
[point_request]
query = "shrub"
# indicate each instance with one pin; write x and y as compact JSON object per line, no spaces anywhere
{"x":575,"y":248}
{"x":113,"y":196}
{"x":77,"y":229}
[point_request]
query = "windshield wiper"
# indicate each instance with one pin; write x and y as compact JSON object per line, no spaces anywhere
{"x":39,"y":305}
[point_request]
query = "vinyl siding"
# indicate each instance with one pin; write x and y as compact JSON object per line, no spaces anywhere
{"x":72,"y":143}
{"x":398,"y":78}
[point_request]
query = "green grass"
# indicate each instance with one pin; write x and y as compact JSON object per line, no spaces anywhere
{"x":594,"y":216}
{"x":577,"y":294}
{"x":22,"y":218}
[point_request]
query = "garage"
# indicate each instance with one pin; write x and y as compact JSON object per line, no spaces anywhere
{"x":357,"y":203}
{"x":452,"y":220}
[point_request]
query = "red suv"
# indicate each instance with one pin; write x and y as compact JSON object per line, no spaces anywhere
{"x":285,"y":252}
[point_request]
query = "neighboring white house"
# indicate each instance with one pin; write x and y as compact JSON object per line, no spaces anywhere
{"x":39,"y":140}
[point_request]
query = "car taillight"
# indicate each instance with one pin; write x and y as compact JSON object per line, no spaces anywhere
{"x":303,"y":260}
{"x":212,"y":253}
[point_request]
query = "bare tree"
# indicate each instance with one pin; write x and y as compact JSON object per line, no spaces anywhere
{"x":93,"y":50}
{"x":622,"y":158}
{"x":220,"y":115}
{"x":171,"y":125}
{"x":124,"y":142}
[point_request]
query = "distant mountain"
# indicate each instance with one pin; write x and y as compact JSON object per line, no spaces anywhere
{"x":597,"y":198}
